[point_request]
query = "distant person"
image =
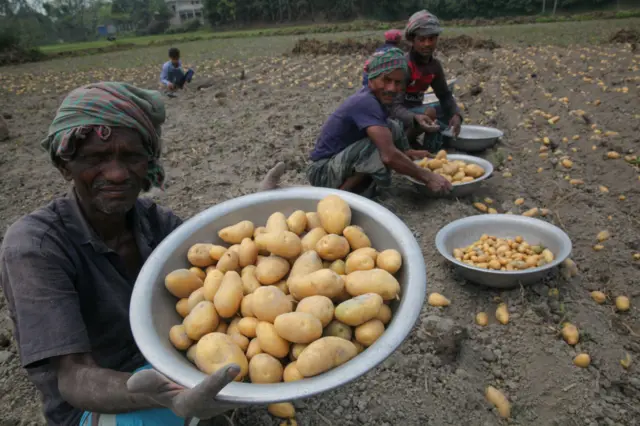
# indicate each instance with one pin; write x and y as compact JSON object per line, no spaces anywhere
{"x":173,"y":77}
{"x":392,"y":38}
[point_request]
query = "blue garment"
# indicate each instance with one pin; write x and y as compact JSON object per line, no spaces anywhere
{"x":175,"y":75}
{"x":383,"y":48}
{"x":348,"y":124}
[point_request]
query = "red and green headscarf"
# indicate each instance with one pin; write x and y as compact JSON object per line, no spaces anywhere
{"x":384,"y":62}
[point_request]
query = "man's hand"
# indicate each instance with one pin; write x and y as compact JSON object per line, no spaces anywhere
{"x":171,"y":86}
{"x":427,"y":124}
{"x":197,"y":402}
{"x":455,"y":124}
{"x":416,"y":154}
{"x":436,"y":183}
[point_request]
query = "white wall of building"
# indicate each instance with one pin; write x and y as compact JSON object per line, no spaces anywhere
{"x":185,"y":10}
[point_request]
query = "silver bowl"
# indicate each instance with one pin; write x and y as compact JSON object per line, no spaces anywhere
{"x":463,"y":232}
{"x":153,"y":312}
{"x":473,"y":138}
{"x":462,"y":189}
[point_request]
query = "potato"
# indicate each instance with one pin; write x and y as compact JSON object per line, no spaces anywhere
{"x":599,"y":297}
{"x":228,"y":262}
{"x":203,"y":319}
{"x":246,"y":308}
{"x":216,"y":252}
{"x":298,"y":327}
{"x":296,"y":350}
{"x":228,"y":298}
{"x":240,"y":340}
{"x":313,"y":221}
{"x":369,"y":332}
{"x":272,"y":269}
{"x":500,"y":401}
{"x":283,"y":243}
{"x":324,"y":282}
{"x":247,"y":253}
{"x":259,"y":231}
{"x":622,"y":303}
{"x":371,"y":252}
{"x":249,"y":281}
{"x":212,"y":284}
{"x":179,"y":338}
{"x":359,"y":346}
{"x":435,"y":164}
{"x":269,"y":340}
{"x":216,"y":350}
{"x":233,"y":326}
{"x":343,"y":296}
{"x":308,"y":262}
{"x":191,"y":353}
{"x":199,"y":272}
{"x":482,"y":319}
{"x":182,"y":307}
{"x":361,"y":262}
{"x":390,"y":261}
{"x":582,"y":360}
{"x":324,"y":354}
{"x":284,"y":410}
{"x":277,"y":222}
{"x":332,"y":247}
{"x":238,"y":232}
{"x":282,"y":286}
{"x":356,"y":237}
{"x":198,"y":255}
{"x":208,"y":270}
{"x":438,"y":300}
{"x":338,"y":329}
{"x":222,"y":327}
{"x":374,"y":281}
{"x":384,"y":314}
{"x":182,"y":282}
{"x":268,"y":302}
{"x":473,"y":170}
{"x":320,"y":307}
{"x":195,"y":298}
{"x":297,"y":222}
{"x":253,"y":349}
{"x":449,"y":169}
{"x":338,"y":266}
{"x":359,"y":310}
{"x":334,"y":214}
{"x":291,"y":373}
{"x":570,"y":334}
{"x":263,"y":368}
{"x":502,"y":313}
{"x":247,"y":326}
{"x":310,"y":241}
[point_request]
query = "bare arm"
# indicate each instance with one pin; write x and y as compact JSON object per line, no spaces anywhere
{"x":400,"y":112}
{"x":393,"y":157}
{"x":444,"y":95}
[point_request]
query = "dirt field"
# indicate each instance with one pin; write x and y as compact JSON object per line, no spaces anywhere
{"x":221,"y":139}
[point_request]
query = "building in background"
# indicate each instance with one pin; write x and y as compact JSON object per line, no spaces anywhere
{"x":185,"y":10}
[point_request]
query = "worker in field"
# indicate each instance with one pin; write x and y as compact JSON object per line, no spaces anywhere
{"x":422,"y":31}
{"x":68,"y":269}
{"x":173,"y":77}
{"x":392,"y":38}
{"x":359,"y":144}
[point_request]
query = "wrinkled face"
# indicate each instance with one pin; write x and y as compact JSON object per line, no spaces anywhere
{"x":386,"y":86}
{"x":425,"y":45}
{"x":109,"y":175}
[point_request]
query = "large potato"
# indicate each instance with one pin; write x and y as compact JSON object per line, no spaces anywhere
{"x":179,"y":338}
{"x":356,"y":237}
{"x":216,"y":252}
{"x":195,"y":298}
{"x":247,"y":326}
{"x":238,"y":232}
{"x":376,"y":281}
{"x":248,"y":253}
{"x":228,"y":298}
{"x":338,"y":329}
{"x":324,"y":354}
{"x":390,"y":261}
{"x":297,"y":222}
{"x":324,"y":282}
{"x":277,"y":222}
{"x":310,"y":241}
{"x":320,"y":307}
{"x":272,"y":269}
{"x":334,"y":214}
{"x":253,"y":349}
{"x":268,"y":302}
{"x":228,"y":262}
{"x":263,"y":368}
{"x":298,"y":327}
{"x":332,"y":247}
{"x":269,"y":340}
{"x":360,"y":309}
{"x":249,"y":281}
{"x":313,"y":221}
{"x":361,"y":262}
{"x":283,"y":243}
{"x":212,"y":284}
{"x":369,"y":332}
{"x":182,"y":282}
{"x":291,"y":373}
{"x":198,"y":255}
{"x":246,"y":306}
{"x":216,"y":350}
{"x":203,"y":319}
{"x":307,"y":263}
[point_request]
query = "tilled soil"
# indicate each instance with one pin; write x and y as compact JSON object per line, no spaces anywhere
{"x":220,"y":140}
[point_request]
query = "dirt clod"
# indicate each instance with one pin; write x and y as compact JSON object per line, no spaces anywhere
{"x":625,"y":36}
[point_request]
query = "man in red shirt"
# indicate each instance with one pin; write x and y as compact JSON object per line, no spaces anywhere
{"x":425,"y":71}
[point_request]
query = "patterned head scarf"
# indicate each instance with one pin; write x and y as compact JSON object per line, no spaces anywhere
{"x":101,"y":106}
{"x":393,"y":36}
{"x":383,"y":62}
{"x":422,"y":23}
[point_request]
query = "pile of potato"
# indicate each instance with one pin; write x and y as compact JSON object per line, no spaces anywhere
{"x":457,"y":172}
{"x":501,"y":254}
{"x":290,"y":300}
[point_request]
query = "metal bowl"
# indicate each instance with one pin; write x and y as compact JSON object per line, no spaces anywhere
{"x":462,"y":189}
{"x":153,"y":311}
{"x":473,"y":138}
{"x":463,"y":232}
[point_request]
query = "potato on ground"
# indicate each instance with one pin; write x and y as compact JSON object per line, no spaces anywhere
{"x":182,"y":282}
{"x":324,"y":282}
{"x":272,"y":269}
{"x":179,"y":338}
{"x":198,"y":255}
{"x":376,"y":281}
{"x":228,"y":298}
{"x":284,"y":410}
{"x":203,"y":319}
{"x":298,"y":327}
{"x":269,"y":302}
{"x":216,"y":350}
{"x":324,"y":354}
{"x":390,"y":261}
{"x":356,"y":237}
{"x":238,"y":232}
{"x":334,"y":214}
{"x":332,"y":247}
{"x":291,"y":373}
{"x":269,"y":340}
{"x":338,"y":329}
{"x":359,"y":310}
{"x":369,"y":332}
{"x":320,"y":307}
{"x":263,"y":368}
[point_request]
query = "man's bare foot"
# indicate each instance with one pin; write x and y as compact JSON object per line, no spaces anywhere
{"x":272,"y":179}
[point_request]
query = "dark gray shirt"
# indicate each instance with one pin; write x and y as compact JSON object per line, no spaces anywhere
{"x":69,"y":293}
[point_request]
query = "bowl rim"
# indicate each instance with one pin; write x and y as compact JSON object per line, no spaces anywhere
{"x":245,"y":393}
{"x":558,"y":257}
{"x":486,"y":164}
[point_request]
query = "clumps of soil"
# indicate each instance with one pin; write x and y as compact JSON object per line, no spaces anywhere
{"x":18,"y":55}
{"x":625,"y":36}
{"x":465,"y":42}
